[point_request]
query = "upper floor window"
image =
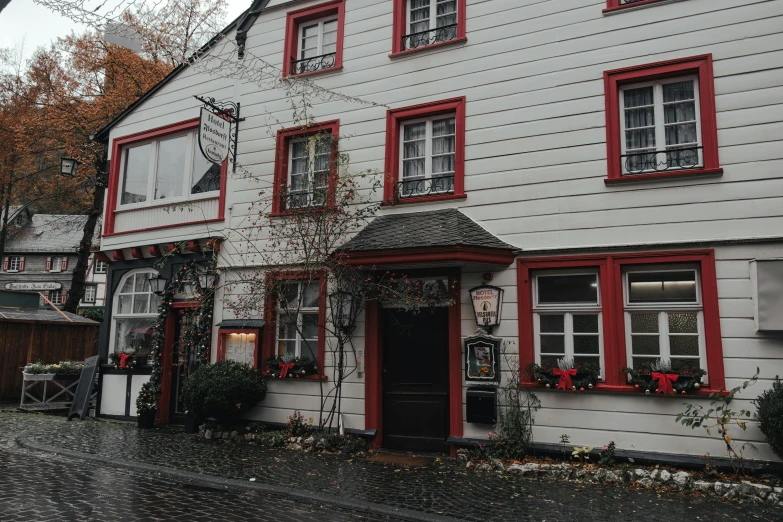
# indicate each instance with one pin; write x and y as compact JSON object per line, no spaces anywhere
{"x":314,"y":39}
{"x":57,"y":297}
{"x":425,"y":151}
{"x":101,"y":267}
{"x":166,"y":170}
{"x":57,"y":264}
{"x":422,"y":23}
{"x":13,"y":264}
{"x":660,"y":120}
{"x":90,"y":293}
{"x":305,"y":168}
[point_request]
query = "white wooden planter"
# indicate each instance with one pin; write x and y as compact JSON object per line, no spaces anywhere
{"x":38,"y":376}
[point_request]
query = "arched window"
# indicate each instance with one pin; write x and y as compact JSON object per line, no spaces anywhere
{"x":134,"y":314}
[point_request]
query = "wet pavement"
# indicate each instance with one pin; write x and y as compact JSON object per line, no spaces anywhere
{"x":110,"y":471}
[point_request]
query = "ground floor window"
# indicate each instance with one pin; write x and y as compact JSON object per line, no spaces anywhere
{"x":239,"y":346}
{"x":640,"y":310}
{"x":134,"y":313}
{"x":90,"y":291}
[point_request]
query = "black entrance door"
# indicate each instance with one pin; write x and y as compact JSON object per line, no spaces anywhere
{"x":416,"y":379}
{"x":176,"y":407}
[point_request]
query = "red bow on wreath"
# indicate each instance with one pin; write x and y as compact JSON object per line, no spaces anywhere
{"x":284,"y":367}
{"x":565,"y":378}
{"x":665,"y":381}
{"x":123,"y":359}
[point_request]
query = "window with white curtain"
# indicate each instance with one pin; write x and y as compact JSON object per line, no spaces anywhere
{"x":660,"y":126}
{"x":308,"y":170}
{"x":298,"y":318}
{"x":317,"y":45}
{"x":428,"y":151}
{"x":664,"y":317}
{"x":134,"y":313}
{"x":431,"y":21}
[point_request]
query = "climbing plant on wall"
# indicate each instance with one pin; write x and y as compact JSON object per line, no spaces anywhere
{"x":195,"y":335}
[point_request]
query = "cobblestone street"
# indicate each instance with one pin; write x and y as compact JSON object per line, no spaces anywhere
{"x":111,"y":471}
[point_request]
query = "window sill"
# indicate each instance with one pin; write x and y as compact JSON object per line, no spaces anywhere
{"x":654,"y":176}
{"x":336,"y":68}
{"x":643,"y":3}
{"x":431,"y":46}
{"x":423,"y":199}
{"x":623,"y":389}
{"x":169,"y":203}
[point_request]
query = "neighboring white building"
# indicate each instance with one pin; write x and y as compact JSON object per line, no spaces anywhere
{"x":615,"y":166}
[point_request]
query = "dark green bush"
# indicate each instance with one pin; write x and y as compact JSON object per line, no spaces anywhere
{"x":225,"y":390}
{"x":769,"y":412}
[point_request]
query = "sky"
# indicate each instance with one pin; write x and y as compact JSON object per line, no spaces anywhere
{"x":25,"y":21}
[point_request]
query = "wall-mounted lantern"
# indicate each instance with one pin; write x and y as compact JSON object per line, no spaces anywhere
{"x":68,"y":167}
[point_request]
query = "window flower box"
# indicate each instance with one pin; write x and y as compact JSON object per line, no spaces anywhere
{"x":566,"y":376}
{"x":659,"y":378}
{"x":285,"y":368}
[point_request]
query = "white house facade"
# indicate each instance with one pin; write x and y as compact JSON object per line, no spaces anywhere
{"x":613,"y":166}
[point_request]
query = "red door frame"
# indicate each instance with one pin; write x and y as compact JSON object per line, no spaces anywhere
{"x":373,"y":382}
{"x":164,"y":400}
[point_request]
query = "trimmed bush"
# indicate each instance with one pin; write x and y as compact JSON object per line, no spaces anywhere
{"x":769,"y":412}
{"x":225,"y":390}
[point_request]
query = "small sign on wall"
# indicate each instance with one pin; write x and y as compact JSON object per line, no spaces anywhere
{"x":33,"y":287}
{"x":482,"y":358}
{"x":214,"y":136}
{"x":487,"y":304}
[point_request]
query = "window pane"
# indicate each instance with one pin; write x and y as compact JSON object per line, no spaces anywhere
{"x":289,"y":294}
{"x":568,"y":289}
{"x":286,"y":348}
{"x":311,"y":294}
{"x":678,"y":365}
{"x":640,"y":139}
{"x":635,"y":118}
{"x":206,"y":175}
{"x":134,"y":334}
{"x":286,"y":326}
{"x":552,"y":323}
{"x":140,"y":304}
{"x":142,"y":283}
{"x":676,"y":134}
{"x":444,"y":127}
{"x":662,"y":287}
{"x":137,"y":166}
{"x":310,"y":30}
{"x":310,"y":326}
{"x":125,"y":304}
{"x":644,"y":323}
{"x":645,"y":345}
{"x":684,"y":345}
{"x":677,"y":112}
{"x":678,"y":91}
{"x":643,"y":362}
{"x":552,"y":344}
{"x":549,"y":361}
{"x":414,"y":149}
{"x":413,"y":168}
{"x":581,"y":361}
{"x":442,"y":164}
{"x":683,"y":323}
{"x":586,"y":323}
{"x":171,"y":168}
{"x":638,"y":97}
{"x":444,"y":145}
{"x":415,"y":131}
{"x":586,"y":344}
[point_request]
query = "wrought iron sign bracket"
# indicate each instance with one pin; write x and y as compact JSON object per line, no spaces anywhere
{"x":230,"y":111}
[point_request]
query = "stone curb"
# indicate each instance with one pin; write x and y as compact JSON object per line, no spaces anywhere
{"x":225,"y":483}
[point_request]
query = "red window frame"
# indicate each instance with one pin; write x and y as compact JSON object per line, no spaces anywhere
{"x":221,"y":350}
{"x":400,"y":25}
{"x":284,"y":137}
{"x":7,"y":261}
{"x":610,"y":268}
{"x":270,"y":316}
{"x":615,"y":5}
{"x":700,"y":66}
{"x":115,"y":175}
{"x":395,"y":118}
{"x":293,"y":21}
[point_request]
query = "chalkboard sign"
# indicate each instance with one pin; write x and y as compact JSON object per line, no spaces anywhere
{"x":81,"y":401}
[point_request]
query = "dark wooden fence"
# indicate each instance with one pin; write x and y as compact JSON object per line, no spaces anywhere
{"x":24,"y":342}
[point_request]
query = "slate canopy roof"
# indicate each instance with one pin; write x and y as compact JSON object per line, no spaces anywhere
{"x":436,"y":231}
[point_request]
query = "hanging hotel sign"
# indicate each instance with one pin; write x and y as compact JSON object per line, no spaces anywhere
{"x":487,"y":304}
{"x":33,"y":287}
{"x":216,"y":137}
{"x":214,"y":134}
{"x":482,"y":362}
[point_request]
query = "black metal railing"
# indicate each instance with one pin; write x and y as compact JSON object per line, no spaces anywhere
{"x":429,"y":37}
{"x":623,"y":2}
{"x":662,"y":161}
{"x":414,"y":188}
{"x":293,"y":200}
{"x":316,"y":63}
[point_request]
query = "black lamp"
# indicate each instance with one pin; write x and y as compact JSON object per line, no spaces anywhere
{"x":68,"y":167}
{"x":345,"y":308}
{"x":157,"y":284}
{"x":206,"y":279}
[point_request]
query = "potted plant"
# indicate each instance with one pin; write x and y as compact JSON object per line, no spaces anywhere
{"x":192,"y":422}
{"x":567,"y":375}
{"x":657,"y":376}
{"x":146,"y":407}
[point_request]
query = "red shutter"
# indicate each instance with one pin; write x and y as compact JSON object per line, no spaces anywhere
{"x":46,"y":294}
{"x":63,"y":296}
{"x":64,"y":265}
{"x":5,"y":264}
{"x":21,"y":264}
{"x":48,"y":263}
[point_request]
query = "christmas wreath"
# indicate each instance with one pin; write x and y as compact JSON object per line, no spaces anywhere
{"x":288,"y":367}
{"x":657,"y":376}
{"x":566,"y":375}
